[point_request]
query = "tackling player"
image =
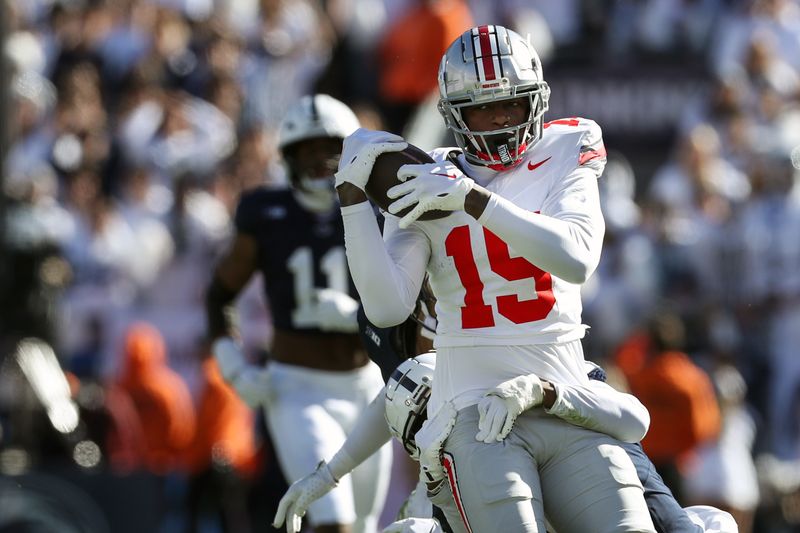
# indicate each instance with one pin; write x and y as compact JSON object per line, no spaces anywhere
{"x":506,"y":267}
{"x":319,"y":378}
{"x":401,"y":408}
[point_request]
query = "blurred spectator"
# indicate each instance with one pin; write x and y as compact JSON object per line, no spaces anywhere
{"x":161,"y":398}
{"x":175,"y":133}
{"x":661,"y":28}
{"x":290,"y":43}
{"x":623,"y":289}
{"x":410,"y":54}
{"x":33,"y":99}
{"x":683,"y":408}
{"x":113,"y":422}
{"x":767,"y":229}
{"x":223,"y":456}
{"x":777,"y":18}
{"x":358,"y":25}
{"x":723,"y":473}
{"x":697,"y":175}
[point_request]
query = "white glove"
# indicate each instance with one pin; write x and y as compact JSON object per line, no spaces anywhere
{"x":434,"y":186}
{"x":430,"y":441}
{"x":294,"y":504}
{"x":414,"y":525}
{"x":336,"y":311}
{"x":501,"y":406}
{"x":359,"y":152}
{"x":229,"y":356}
{"x":251,"y":383}
{"x":253,"y":386}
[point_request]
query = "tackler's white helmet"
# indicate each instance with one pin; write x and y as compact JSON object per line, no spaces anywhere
{"x":407,"y":393}
{"x":490,"y":64}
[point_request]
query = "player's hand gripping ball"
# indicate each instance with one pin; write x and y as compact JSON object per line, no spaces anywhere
{"x":384,"y":177}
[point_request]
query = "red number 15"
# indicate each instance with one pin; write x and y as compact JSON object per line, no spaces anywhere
{"x":476,"y":313}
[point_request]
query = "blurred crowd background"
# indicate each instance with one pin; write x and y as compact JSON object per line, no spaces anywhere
{"x":130,"y":127}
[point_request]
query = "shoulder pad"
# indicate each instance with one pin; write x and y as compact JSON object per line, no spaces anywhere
{"x":592,"y":151}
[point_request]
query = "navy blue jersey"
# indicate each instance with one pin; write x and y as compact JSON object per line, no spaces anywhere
{"x":384,"y":345}
{"x":298,"y":252}
{"x":667,"y":514}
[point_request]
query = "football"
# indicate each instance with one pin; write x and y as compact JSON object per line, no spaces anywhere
{"x":384,"y":177}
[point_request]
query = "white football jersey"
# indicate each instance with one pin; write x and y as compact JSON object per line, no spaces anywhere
{"x":487,"y":294}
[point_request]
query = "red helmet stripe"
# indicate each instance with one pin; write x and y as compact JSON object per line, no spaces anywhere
{"x":450,"y":468}
{"x":487,"y":52}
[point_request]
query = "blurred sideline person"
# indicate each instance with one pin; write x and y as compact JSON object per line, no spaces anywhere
{"x":506,"y":266}
{"x":161,"y":399}
{"x":224,"y":457}
{"x":319,"y":378}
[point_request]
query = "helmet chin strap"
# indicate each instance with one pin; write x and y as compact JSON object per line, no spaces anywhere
{"x":316,"y":194}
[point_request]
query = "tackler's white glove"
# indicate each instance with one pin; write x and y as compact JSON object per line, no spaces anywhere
{"x":337,"y":311}
{"x":359,"y":152}
{"x":414,"y":525}
{"x":434,"y":186}
{"x":301,"y":494}
{"x":430,"y":441}
{"x":501,"y":406}
{"x":251,"y":383}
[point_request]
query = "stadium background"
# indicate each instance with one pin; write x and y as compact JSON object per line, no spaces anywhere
{"x":131,"y":126}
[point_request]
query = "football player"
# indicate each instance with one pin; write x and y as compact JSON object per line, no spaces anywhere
{"x":401,"y":409}
{"x":318,"y":378}
{"x":506,"y":266}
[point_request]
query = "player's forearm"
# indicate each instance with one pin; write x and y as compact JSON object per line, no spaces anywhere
{"x":349,"y":194}
{"x":388,"y":294}
{"x":601,"y":408}
{"x":567,"y":249}
{"x":220,"y":313}
{"x":366,"y":438}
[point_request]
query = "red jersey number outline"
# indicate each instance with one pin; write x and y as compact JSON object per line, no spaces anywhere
{"x":476,"y":313}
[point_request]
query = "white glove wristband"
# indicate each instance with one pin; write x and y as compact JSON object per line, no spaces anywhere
{"x":501,"y":405}
{"x":359,"y":153}
{"x":294,"y":504}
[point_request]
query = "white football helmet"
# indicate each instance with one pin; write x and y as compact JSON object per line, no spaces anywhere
{"x":407,"y":393}
{"x":490,"y":64}
{"x":316,"y":116}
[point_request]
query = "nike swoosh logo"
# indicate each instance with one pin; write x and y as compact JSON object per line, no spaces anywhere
{"x":451,"y":176}
{"x":534,"y":166}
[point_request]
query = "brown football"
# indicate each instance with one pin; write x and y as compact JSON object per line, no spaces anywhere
{"x":384,"y":177}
